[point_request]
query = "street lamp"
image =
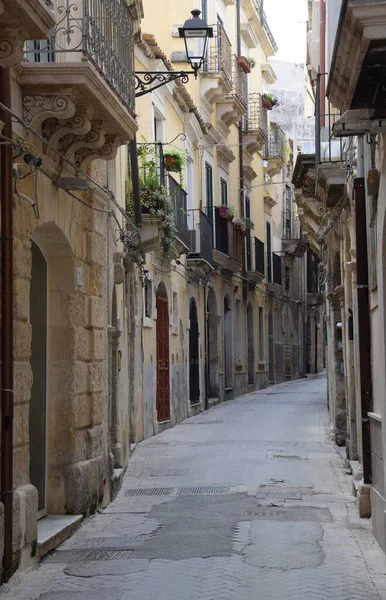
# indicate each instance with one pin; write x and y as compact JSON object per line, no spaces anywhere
{"x":195,"y":33}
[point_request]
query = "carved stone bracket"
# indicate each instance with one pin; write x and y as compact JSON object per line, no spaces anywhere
{"x":37,"y":109}
{"x":11,"y":47}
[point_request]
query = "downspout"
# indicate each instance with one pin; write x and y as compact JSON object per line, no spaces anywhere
{"x":241,"y":161}
{"x":135,"y":181}
{"x":7,"y":323}
{"x":322,"y":96}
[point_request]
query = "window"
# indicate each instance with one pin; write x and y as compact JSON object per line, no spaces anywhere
{"x":209,"y":190}
{"x":261,"y":333}
{"x":287,"y":279}
{"x":148,"y":299}
{"x":224,"y":192}
{"x":269,"y":252}
{"x":239,"y":329}
{"x":287,"y":214}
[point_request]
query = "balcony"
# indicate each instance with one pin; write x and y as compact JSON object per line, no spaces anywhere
{"x":79,"y":86}
{"x":234,"y":106}
{"x":255,"y":259}
{"x":292,"y":239}
{"x":19,"y":21}
{"x":274,"y":151}
{"x":179,"y":197}
{"x":216,"y":75}
{"x":359,"y":58}
{"x":255,"y":124}
{"x":331,"y":154}
{"x":229,"y":244}
{"x":200,"y":243}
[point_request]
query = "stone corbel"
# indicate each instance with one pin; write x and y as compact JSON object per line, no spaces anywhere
{"x":11,"y":47}
{"x":37,"y":109}
{"x":108,"y":151}
{"x":75,"y":146}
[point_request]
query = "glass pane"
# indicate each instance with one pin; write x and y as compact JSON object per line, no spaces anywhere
{"x":37,"y":414}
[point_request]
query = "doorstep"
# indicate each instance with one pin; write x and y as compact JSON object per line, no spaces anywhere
{"x":55,"y":529}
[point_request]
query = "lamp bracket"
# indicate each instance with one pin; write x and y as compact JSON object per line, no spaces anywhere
{"x":144,"y":80}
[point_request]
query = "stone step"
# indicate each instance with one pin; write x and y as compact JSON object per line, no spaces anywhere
{"x":53,"y":530}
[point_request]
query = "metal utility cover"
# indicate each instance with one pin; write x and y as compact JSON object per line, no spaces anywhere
{"x":108,"y":555}
{"x":279,"y":496}
{"x":149,"y":492}
{"x":187,"y":491}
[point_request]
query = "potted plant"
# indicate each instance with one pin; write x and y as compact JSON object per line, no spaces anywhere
{"x":248,"y":223}
{"x":238,"y":224}
{"x":227,"y":212}
{"x":175,"y":160}
{"x":251,"y":61}
{"x":269,"y":101}
{"x":244,"y":64}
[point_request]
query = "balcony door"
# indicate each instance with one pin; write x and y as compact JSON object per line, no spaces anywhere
{"x":194,"y":363}
{"x":38,"y":401}
{"x":162,"y":345}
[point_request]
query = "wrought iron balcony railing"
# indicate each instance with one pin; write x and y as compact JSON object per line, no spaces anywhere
{"x":219,"y":54}
{"x":98,"y":31}
{"x":228,"y":238}
{"x":200,"y":235}
{"x":291,"y":226}
{"x":239,"y":82}
{"x":255,"y":255}
{"x":265,"y":26}
{"x":328,"y":149}
{"x":179,"y":197}
{"x":275,"y":146}
{"x":257,"y":117}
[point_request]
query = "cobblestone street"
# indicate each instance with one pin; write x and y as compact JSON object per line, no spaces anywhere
{"x":249,"y":500}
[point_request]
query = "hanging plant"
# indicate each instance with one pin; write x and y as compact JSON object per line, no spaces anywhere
{"x":269,"y":101}
{"x":175,"y":161}
{"x":248,"y":223}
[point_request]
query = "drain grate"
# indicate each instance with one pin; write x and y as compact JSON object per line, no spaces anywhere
{"x":213,"y":422}
{"x":279,"y":496}
{"x":149,"y":492}
{"x":169,"y":473}
{"x":118,"y":543}
{"x":107,"y":555}
{"x":193,"y":491}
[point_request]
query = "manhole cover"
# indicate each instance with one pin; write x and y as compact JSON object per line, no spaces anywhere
{"x":169,"y":473}
{"x":288,"y":457}
{"x":107,"y":555}
{"x":293,"y":513}
{"x":149,"y":492}
{"x":219,"y":489}
{"x":279,"y":496}
{"x":118,"y":543}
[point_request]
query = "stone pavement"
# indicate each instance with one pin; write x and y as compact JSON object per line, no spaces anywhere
{"x":249,"y":500}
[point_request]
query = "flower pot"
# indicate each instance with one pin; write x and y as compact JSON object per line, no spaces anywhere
{"x":223,"y":211}
{"x":244,"y":64}
{"x":267,"y":103}
{"x":171,"y":163}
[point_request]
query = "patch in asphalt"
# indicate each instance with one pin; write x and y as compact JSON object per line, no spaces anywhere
{"x":293,"y":513}
{"x":169,"y":473}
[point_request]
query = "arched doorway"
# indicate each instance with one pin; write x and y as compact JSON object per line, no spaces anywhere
{"x":194,"y":362}
{"x":213,"y":321}
{"x":228,"y":342}
{"x":38,"y":400}
{"x":251,"y":347}
{"x":162,"y":347}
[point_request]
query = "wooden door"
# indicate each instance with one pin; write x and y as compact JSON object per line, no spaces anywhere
{"x":194,"y":367}
{"x":162,"y":332}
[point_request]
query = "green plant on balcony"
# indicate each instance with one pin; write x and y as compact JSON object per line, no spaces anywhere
{"x":175,"y":161}
{"x":269,"y":101}
{"x":248,"y":223}
{"x":251,"y":61}
{"x":154,"y":197}
{"x":227,"y":212}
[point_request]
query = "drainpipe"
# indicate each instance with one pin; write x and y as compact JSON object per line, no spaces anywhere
{"x":241,"y":161}
{"x":322,"y":97}
{"x":135,"y":180}
{"x":6,"y":322}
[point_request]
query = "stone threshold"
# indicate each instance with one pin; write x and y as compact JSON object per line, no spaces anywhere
{"x":53,"y":530}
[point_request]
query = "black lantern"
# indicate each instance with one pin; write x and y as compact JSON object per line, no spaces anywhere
{"x":195,"y":33}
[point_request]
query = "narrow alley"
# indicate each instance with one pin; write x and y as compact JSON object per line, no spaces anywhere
{"x":249,"y":500}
